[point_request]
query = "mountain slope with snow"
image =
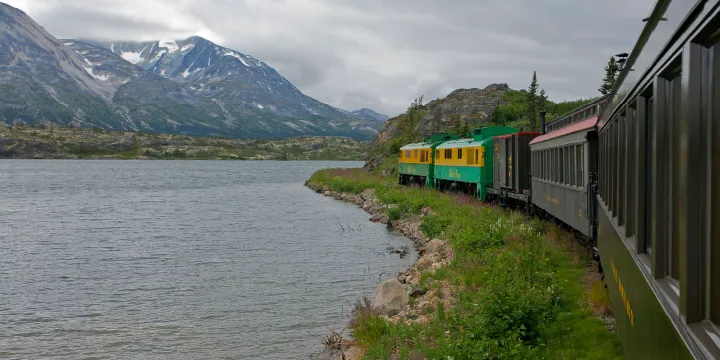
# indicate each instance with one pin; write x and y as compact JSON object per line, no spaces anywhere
{"x":191,"y":86}
{"x":246,"y":86}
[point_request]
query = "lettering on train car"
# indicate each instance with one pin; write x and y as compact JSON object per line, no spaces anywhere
{"x":552,"y":200}
{"x":411,"y":170}
{"x":580,"y":212}
{"x":454,"y":173}
{"x":623,"y":295}
{"x":509,"y":165}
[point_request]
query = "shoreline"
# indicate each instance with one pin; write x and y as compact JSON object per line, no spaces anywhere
{"x":497,"y":284}
{"x":432,"y":254}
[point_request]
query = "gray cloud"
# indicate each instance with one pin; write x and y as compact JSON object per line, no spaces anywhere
{"x":376,"y":53}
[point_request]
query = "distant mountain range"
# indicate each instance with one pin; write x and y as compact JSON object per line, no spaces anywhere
{"x":192,"y":86}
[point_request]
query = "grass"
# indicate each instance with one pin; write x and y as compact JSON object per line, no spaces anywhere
{"x":519,"y":285}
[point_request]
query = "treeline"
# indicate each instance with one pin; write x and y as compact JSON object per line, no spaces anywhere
{"x":521,"y":109}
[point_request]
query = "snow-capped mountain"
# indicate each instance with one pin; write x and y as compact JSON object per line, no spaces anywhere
{"x":244,"y":86}
{"x":192,"y":86}
{"x":239,"y":81}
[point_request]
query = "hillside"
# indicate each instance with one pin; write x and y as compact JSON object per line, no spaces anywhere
{"x":191,"y":86}
{"x":459,"y":112}
{"x":59,"y":142}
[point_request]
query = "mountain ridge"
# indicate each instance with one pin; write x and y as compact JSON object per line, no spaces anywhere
{"x":189,"y":86}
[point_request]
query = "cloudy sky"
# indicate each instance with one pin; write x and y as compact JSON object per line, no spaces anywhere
{"x":381,"y":54}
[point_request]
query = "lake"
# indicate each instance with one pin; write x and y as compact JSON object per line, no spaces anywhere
{"x":179,"y":259}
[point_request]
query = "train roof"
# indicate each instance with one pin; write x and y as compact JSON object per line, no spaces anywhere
{"x":517,"y":134}
{"x":422,"y":145}
{"x":570,"y":129}
{"x":460,"y":143}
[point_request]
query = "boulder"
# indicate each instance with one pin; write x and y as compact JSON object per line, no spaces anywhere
{"x":390,"y":297}
{"x":433,"y":246}
{"x":415,"y":290}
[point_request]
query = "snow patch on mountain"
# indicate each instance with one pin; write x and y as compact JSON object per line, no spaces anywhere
{"x":158,"y":56}
{"x":133,"y":57}
{"x":170,"y":45}
{"x":237,"y":56}
{"x":260,"y":106}
{"x":294,"y":126}
{"x":99,"y":77}
{"x":187,"y":72}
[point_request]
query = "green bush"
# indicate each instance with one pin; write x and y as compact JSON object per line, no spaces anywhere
{"x":516,"y":294}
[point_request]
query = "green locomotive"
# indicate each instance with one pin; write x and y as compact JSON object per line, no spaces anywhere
{"x":462,"y":164}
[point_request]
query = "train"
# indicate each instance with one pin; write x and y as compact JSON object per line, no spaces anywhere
{"x":637,"y":172}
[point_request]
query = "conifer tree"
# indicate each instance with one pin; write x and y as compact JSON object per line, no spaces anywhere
{"x":611,"y":73}
{"x":532,"y":102}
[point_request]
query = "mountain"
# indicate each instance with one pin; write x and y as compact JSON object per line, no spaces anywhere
{"x":40,"y":78}
{"x":191,"y":86}
{"x":245,"y":87}
{"x":367,"y":114}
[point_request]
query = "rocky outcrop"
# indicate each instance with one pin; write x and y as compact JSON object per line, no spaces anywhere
{"x":463,"y":107}
{"x":390,"y":298}
{"x":379,"y":148}
{"x":471,"y":107}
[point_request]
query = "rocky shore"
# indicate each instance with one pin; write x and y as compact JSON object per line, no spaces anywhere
{"x":403,"y":297}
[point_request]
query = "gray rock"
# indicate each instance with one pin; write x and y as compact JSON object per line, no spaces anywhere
{"x":433,"y":246}
{"x":390,"y":297}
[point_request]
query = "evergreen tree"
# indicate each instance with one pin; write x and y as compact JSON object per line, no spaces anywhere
{"x":542,"y":101}
{"x":612,"y":71}
{"x":532,"y":102}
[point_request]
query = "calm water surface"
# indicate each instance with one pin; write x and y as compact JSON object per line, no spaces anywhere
{"x":178,"y":259}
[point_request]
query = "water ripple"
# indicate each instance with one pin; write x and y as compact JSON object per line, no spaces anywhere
{"x":178,"y":260}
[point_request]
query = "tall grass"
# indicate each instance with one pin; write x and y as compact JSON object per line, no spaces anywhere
{"x":519,"y":293}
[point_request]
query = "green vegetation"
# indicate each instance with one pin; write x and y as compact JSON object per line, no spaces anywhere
{"x":51,"y":141}
{"x":520,"y":109}
{"x":406,"y":124}
{"x":517,"y":288}
{"x":612,"y":70}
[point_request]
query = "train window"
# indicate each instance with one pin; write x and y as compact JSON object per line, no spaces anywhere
{"x":556,"y":160}
{"x":714,"y":210}
{"x":548,"y":161}
{"x":582,"y":165}
{"x":415,"y":155}
{"x":622,"y":156}
{"x":678,"y":169}
{"x":561,"y":162}
{"x":631,"y":172}
{"x":569,"y":169}
{"x":448,"y":153}
{"x":574,"y":166}
{"x":477,"y":156}
{"x":422,"y":156}
{"x":460,"y":151}
{"x":553,"y":164}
